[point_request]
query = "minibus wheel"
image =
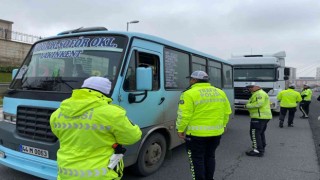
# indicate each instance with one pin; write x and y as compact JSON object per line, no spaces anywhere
{"x":151,"y":155}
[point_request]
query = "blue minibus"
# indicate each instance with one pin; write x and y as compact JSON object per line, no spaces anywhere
{"x":148,"y":74}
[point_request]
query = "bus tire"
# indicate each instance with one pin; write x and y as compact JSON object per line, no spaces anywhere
{"x":151,"y":155}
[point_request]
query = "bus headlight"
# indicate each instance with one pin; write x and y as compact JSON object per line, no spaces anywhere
{"x":9,"y":118}
{"x":274,"y":92}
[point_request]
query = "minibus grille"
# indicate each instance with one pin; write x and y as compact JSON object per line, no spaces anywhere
{"x":34,"y":123}
{"x":244,"y":93}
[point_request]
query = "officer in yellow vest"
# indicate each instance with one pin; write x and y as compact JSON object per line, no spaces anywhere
{"x":203,"y":114}
{"x":259,"y":108}
{"x":87,"y":126}
{"x":306,"y":95}
{"x":288,"y":102}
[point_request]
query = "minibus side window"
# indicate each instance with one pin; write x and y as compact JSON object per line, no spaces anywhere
{"x":142,"y":59}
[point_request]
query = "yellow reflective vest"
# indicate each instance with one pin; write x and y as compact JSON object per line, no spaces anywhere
{"x":87,"y":126}
{"x":307,"y":94}
{"x":289,"y":98}
{"x":203,"y":111}
{"x":259,"y":105}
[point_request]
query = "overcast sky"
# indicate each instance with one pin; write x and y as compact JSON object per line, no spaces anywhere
{"x":220,"y":28}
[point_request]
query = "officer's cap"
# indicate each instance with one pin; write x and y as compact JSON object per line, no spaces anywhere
{"x":199,"y":75}
{"x":100,"y":84}
{"x":292,"y":86}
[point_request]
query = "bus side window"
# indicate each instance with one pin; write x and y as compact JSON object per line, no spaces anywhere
{"x":141,"y":59}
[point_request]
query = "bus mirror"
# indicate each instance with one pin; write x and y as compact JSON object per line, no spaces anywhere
{"x":143,"y":82}
{"x":144,"y":78}
{"x":286,"y":71}
{"x":14,"y":72}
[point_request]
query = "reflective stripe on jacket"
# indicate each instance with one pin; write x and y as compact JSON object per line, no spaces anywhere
{"x":289,"y":98}
{"x":203,"y":111}
{"x":87,"y":126}
{"x":259,"y":105}
{"x":307,"y":93}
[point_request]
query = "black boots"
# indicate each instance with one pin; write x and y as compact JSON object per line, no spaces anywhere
{"x":281,"y":124}
{"x":255,"y":153}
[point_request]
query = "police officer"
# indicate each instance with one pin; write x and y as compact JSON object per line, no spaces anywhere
{"x":288,"y":102}
{"x":203,"y":114}
{"x":87,"y":126}
{"x":306,"y":95}
{"x":260,"y":113}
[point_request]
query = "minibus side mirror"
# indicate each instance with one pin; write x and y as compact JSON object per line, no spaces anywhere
{"x":143,"y":83}
{"x":14,"y":72}
{"x":144,"y":79}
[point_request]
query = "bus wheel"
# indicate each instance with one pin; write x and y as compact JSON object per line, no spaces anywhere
{"x":151,"y":155}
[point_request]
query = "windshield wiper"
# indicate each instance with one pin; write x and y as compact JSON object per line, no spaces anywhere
{"x":32,"y":88}
{"x":60,"y":80}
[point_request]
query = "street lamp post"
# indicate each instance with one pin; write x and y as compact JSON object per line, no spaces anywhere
{"x":131,"y":22}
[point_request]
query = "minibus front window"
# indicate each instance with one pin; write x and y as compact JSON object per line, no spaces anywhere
{"x":62,"y":65}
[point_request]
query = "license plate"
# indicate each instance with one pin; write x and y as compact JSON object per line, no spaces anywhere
{"x":34,"y":151}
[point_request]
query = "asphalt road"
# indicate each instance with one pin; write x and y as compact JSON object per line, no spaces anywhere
{"x":291,"y":154}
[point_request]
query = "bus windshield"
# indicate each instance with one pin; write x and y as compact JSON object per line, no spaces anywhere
{"x":255,"y":73}
{"x":63,"y":64}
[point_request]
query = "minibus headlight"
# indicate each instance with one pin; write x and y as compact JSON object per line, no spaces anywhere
{"x":9,"y":118}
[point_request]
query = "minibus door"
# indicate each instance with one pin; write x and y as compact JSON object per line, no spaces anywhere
{"x":144,"y":107}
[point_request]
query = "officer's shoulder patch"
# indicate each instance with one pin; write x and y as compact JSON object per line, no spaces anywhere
{"x":181,"y":102}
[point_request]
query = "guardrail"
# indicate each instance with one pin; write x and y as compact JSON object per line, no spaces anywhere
{"x":18,"y":36}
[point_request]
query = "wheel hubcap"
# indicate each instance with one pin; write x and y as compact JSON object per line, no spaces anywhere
{"x":153,"y":154}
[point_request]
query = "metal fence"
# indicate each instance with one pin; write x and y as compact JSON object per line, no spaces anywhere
{"x":18,"y":36}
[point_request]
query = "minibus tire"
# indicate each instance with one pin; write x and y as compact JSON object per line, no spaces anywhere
{"x":151,"y":155}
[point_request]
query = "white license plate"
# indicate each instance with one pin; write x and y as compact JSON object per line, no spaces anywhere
{"x":34,"y":151}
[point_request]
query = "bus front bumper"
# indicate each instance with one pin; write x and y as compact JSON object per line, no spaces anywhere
{"x":29,"y":164}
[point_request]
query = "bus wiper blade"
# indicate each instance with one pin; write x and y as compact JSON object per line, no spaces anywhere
{"x":32,"y":88}
{"x":60,"y":80}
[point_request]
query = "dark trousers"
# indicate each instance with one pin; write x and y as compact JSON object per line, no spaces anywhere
{"x":257,"y":130}
{"x":283,"y":112}
{"x":201,"y":153}
{"x":304,"y":108}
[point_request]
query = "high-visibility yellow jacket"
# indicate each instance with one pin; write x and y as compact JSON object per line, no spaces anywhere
{"x":259,"y":105}
{"x":289,"y":98}
{"x":87,"y":126}
{"x":203,"y":111}
{"x":306,"y":94}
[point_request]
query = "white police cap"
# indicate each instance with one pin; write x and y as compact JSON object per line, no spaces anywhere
{"x":199,"y":75}
{"x":100,"y":84}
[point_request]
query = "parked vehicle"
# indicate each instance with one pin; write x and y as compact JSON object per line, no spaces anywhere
{"x":267,"y":70}
{"x":148,"y":75}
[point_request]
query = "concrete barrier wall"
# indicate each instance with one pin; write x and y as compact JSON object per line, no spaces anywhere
{"x":3,"y":88}
{"x":13,"y":53}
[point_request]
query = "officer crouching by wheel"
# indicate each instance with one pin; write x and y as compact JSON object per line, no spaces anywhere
{"x":259,"y":108}
{"x":203,"y":115}
{"x":87,"y":126}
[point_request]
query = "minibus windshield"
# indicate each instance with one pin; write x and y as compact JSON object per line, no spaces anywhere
{"x":63,"y":64}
